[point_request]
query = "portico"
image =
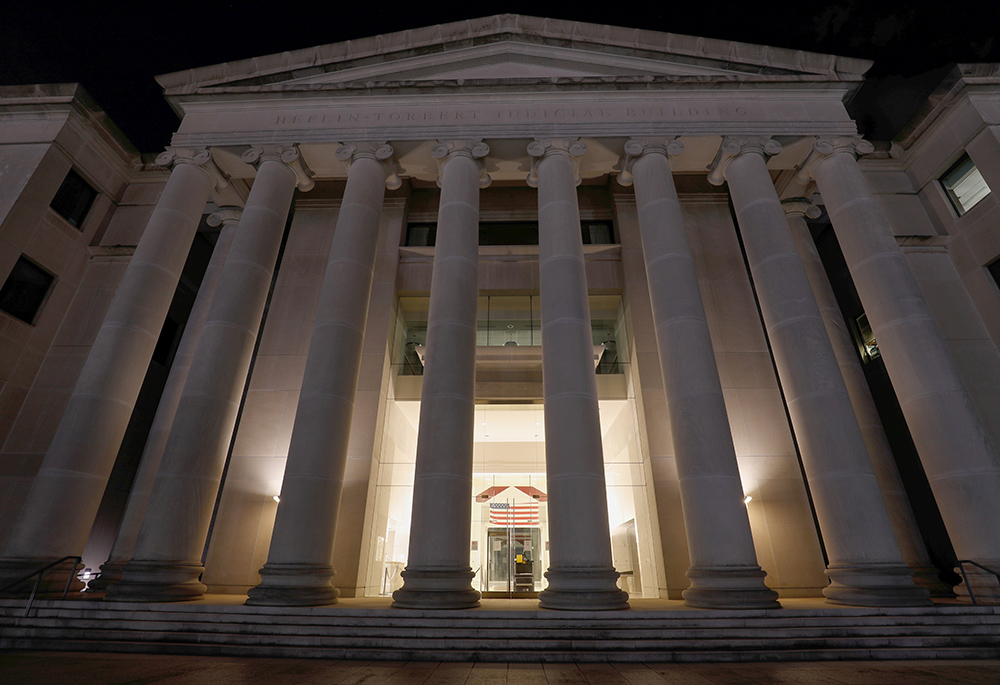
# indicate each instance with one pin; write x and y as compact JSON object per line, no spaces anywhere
{"x":744,"y":439}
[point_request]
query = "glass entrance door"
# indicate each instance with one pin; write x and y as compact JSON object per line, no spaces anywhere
{"x":513,"y":568}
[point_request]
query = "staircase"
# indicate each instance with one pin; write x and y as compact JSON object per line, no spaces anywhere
{"x":365,"y":633}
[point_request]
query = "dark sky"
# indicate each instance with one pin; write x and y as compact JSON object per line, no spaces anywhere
{"x":115,"y":50}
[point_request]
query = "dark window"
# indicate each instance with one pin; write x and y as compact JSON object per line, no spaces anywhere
{"x":510,"y":233}
{"x":25,"y":290}
{"x":994,"y":270}
{"x":598,"y":233}
{"x":73,"y":199}
{"x":421,"y":235}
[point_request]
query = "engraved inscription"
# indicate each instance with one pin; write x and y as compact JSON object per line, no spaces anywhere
{"x":386,"y":116}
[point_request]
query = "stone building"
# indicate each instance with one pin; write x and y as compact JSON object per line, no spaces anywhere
{"x":505,"y":307}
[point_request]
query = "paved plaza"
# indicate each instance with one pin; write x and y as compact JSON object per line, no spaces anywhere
{"x":54,"y":668}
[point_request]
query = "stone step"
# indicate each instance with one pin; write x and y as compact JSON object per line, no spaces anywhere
{"x":495,"y":655}
{"x":366,"y":633}
{"x":537,"y":630}
{"x":522,"y":643}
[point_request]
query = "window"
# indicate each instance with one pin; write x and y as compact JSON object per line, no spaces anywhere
{"x":25,"y":290}
{"x":994,"y":270}
{"x":510,"y":233}
{"x":73,"y":199}
{"x":964,"y":185}
{"x":869,"y":346}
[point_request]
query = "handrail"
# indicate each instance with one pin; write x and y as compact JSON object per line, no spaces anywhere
{"x":968,"y":586}
{"x":40,"y":572}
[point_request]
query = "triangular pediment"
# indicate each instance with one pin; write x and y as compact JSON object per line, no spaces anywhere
{"x":510,"y":48}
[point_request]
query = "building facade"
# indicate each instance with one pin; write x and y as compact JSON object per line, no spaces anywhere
{"x":505,"y":307}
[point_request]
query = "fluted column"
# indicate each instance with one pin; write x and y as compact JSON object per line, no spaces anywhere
{"x":961,"y":463}
{"x":64,"y":497}
{"x":299,"y":568}
{"x":437,"y":572}
{"x":166,"y":563}
{"x":897,"y":504}
{"x":724,"y":571}
{"x":581,"y":573}
{"x":865,"y":566}
{"x":149,"y":464}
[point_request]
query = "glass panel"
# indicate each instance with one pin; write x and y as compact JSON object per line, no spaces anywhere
{"x":73,"y":199}
{"x":869,"y":346}
{"x":24,"y":291}
{"x":965,"y":185}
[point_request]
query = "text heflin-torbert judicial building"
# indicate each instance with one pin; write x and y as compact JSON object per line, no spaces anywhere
{"x":512,"y":307}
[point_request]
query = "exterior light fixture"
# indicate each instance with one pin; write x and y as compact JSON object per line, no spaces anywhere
{"x":276,"y":498}
{"x":746,"y":500}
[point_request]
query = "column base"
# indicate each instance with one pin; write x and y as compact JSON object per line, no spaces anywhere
{"x":294,"y":585}
{"x":874,"y":585}
{"x":984,"y":585}
{"x":929,"y":578}
{"x":436,"y":588}
{"x":157,"y":581}
{"x":111,"y":572}
{"x":582,"y":589}
{"x":53,"y":581}
{"x":729,"y":587}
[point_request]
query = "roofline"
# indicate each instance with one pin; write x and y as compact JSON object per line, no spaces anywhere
{"x":514,"y":24}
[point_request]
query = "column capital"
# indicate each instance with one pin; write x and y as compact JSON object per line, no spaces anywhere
{"x":202,"y":159}
{"x":286,"y":154}
{"x":855,"y":146}
{"x":225,"y":215}
{"x":800,"y":206}
{"x":381,"y":152}
{"x":476,"y":150}
{"x":734,"y":146}
{"x":635,"y":148}
{"x":540,"y":148}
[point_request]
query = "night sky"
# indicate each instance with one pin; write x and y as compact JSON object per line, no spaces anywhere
{"x":115,"y":50}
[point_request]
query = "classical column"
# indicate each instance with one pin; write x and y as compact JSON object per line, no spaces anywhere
{"x":437,"y":572}
{"x":865,"y":566}
{"x":166,"y":563}
{"x":897,"y":504}
{"x":149,"y":464}
{"x":958,"y":457}
{"x":64,"y":497}
{"x":299,"y":568}
{"x":724,"y":571}
{"x":581,"y":573}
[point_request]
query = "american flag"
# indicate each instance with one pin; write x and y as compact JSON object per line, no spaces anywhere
{"x":506,"y":514}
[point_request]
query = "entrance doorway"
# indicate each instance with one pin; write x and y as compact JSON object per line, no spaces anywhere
{"x":513,"y":570}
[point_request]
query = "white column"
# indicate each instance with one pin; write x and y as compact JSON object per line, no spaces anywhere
{"x":64,"y":497}
{"x":961,"y":463}
{"x":865,"y":566}
{"x":149,"y":464}
{"x":724,"y":571}
{"x":897,"y":504}
{"x":299,"y":568}
{"x":581,"y":573}
{"x":166,"y":563}
{"x":438,"y":574}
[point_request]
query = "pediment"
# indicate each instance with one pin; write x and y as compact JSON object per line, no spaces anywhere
{"x":510,"y":48}
{"x":504,"y":61}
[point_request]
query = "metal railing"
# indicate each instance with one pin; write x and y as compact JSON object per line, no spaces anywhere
{"x":965,"y":578}
{"x":40,"y":572}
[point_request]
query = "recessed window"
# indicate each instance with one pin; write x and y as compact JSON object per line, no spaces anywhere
{"x":24,"y":291}
{"x":73,"y":199}
{"x":866,"y":338}
{"x":964,"y":185}
{"x":994,"y":270}
{"x":510,"y":233}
